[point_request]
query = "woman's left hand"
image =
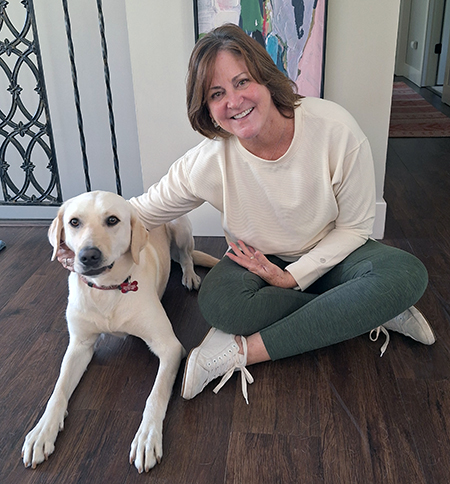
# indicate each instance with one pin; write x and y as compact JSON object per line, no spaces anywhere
{"x":65,"y":256}
{"x":256,"y":262}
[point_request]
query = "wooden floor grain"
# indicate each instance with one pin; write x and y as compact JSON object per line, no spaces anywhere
{"x":339,"y":415}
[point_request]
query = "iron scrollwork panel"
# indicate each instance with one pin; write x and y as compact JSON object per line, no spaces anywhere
{"x":28,"y":168}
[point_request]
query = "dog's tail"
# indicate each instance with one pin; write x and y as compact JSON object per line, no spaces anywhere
{"x":202,"y":259}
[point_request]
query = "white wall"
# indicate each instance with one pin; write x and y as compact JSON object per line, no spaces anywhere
{"x":359,"y":70}
{"x":159,"y":59}
{"x":360,"y":52}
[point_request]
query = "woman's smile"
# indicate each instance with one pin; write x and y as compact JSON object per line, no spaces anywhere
{"x":243,"y":114}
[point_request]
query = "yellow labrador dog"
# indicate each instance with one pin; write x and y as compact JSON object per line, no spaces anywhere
{"x":120,"y":274}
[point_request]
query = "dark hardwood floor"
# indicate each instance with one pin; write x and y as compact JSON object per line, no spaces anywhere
{"x":337,"y":415}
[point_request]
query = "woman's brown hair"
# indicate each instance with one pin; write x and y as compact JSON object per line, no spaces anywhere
{"x":261,"y":67}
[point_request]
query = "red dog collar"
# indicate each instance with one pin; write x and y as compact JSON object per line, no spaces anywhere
{"x":125,"y":287}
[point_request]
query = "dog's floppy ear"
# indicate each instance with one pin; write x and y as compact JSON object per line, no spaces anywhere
{"x":56,"y":232}
{"x":139,"y":237}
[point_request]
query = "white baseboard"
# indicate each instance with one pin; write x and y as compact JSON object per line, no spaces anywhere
{"x":27,"y":212}
{"x":380,"y":220}
{"x":206,"y":221}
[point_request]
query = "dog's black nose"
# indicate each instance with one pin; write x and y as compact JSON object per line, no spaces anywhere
{"x":90,"y":256}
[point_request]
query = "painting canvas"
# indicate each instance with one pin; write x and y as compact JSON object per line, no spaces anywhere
{"x":292,"y":31}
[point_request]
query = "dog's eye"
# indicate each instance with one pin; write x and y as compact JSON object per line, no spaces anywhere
{"x":75,"y":222}
{"x":111,"y":221}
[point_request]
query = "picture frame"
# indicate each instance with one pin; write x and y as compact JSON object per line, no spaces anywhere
{"x":292,"y":31}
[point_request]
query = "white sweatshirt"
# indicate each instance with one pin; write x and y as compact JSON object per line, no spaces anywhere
{"x":313,"y":206}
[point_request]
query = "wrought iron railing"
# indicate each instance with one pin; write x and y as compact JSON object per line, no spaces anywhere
{"x":25,"y":124}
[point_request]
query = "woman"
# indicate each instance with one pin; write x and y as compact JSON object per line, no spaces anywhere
{"x":293,"y":179}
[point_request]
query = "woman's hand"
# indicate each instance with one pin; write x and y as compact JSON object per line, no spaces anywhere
{"x":65,"y":256}
{"x":258,"y":263}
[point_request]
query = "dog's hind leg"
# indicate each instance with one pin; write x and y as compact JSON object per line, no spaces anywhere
{"x":40,"y":442}
{"x":181,"y":249}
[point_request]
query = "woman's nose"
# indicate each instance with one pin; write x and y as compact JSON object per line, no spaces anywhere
{"x":234,"y":100}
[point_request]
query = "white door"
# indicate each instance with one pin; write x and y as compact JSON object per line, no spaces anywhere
{"x":433,"y":37}
{"x":446,"y":86}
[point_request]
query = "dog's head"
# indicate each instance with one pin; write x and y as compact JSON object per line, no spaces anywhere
{"x":99,"y":227}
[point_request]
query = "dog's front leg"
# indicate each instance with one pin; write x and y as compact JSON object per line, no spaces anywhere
{"x":40,"y":442}
{"x":146,"y":449}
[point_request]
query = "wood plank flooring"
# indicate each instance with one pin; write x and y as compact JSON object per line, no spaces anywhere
{"x":339,"y":415}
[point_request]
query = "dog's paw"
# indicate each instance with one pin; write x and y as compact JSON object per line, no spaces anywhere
{"x":40,"y":442}
{"x":191,"y":280}
{"x":146,"y":449}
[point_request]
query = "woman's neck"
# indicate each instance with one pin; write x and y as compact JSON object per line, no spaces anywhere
{"x":276,"y":142}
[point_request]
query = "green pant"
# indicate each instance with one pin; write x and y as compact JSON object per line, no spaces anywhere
{"x":372,"y":285}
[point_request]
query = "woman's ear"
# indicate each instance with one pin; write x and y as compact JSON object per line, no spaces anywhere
{"x":214,"y":122}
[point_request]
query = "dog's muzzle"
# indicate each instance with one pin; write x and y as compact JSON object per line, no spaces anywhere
{"x":91,"y":259}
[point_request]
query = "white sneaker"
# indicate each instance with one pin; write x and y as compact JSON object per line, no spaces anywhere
{"x":217,"y":355}
{"x":410,"y":323}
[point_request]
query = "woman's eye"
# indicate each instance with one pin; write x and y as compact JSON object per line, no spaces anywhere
{"x":215,"y":95}
{"x":74,"y":222}
{"x":110,"y":221}
{"x":243,"y":82}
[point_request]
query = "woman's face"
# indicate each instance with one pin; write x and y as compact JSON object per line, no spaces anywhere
{"x":238,"y":103}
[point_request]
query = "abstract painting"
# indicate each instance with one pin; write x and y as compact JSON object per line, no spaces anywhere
{"x":292,"y":31}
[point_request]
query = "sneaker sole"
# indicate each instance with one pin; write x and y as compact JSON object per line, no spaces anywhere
{"x":431,"y":337}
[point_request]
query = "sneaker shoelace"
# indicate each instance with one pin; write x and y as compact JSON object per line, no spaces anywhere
{"x":245,"y":374}
{"x":373,"y":335}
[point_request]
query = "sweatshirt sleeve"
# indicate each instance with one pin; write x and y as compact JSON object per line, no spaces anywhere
{"x":354,"y":187}
{"x":168,"y":199}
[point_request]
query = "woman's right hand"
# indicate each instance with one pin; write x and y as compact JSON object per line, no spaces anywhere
{"x":65,"y":256}
{"x":256,"y":262}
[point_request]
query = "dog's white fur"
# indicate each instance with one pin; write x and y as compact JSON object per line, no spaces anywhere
{"x":109,"y":223}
